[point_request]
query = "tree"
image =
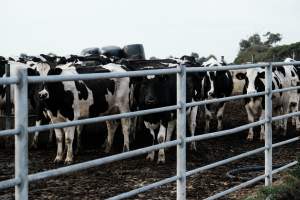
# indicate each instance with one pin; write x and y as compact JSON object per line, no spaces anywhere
{"x":255,"y":40}
{"x":244,"y":44}
{"x":272,"y":38}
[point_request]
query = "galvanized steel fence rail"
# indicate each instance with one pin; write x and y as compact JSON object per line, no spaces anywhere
{"x":20,"y":79}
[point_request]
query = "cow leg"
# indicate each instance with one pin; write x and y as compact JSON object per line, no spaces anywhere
{"x":220,"y":114}
{"x":69,"y":138}
{"x":151,"y":154}
{"x":51,"y":133}
{"x":208,"y":117}
{"x":192,"y":125}
{"x":112,"y":126}
{"x":126,"y":131}
{"x":35,"y":139}
{"x":262,"y":127}
{"x":285,"y":111}
{"x":79,"y":129}
{"x":161,"y":137}
{"x":295,"y":120}
{"x":251,"y":120}
{"x":59,"y":140}
{"x":276,"y":123}
{"x":170,"y":130}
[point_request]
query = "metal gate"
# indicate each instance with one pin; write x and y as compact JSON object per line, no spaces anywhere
{"x":20,"y":79}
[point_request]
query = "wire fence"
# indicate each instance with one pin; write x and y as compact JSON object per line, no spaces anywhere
{"x":20,"y":79}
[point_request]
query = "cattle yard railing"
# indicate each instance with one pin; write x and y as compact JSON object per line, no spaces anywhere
{"x":21,"y":180}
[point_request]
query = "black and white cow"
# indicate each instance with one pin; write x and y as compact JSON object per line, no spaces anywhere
{"x":159,"y":91}
{"x":72,"y":100}
{"x":282,"y":103}
{"x":42,"y":66}
{"x":215,"y":84}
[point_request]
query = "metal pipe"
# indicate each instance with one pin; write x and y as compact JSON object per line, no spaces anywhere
{"x":106,"y":75}
{"x":9,"y":81}
{"x":98,"y":162}
{"x":224,"y":132}
{"x":231,"y":98}
{"x":181,"y":133}
{"x":145,"y":188}
{"x":9,"y":132}
{"x":7,"y":100}
{"x":33,"y":129}
{"x":9,"y":183}
{"x":21,"y":140}
{"x":275,"y":64}
{"x":285,"y":116}
{"x":286,"y":89}
{"x":285,"y":142}
{"x":268,"y":125}
{"x":238,"y":187}
{"x":223,"y":68}
{"x":284,"y":167}
{"x":225,"y":161}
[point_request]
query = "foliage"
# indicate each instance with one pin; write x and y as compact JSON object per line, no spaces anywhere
{"x":288,"y":189}
{"x":265,"y":50}
{"x":267,"y":54}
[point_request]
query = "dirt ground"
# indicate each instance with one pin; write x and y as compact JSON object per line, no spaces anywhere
{"x":112,"y":179}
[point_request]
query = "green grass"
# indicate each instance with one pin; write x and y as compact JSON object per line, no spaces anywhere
{"x":287,"y":189}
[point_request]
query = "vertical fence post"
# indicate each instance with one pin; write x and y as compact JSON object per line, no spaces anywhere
{"x":7,"y":100}
{"x":21,"y":140}
{"x":181,"y":133}
{"x":268,"y":125}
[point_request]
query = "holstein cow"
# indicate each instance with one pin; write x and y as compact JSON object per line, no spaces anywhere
{"x":158,"y":91}
{"x":282,"y":103}
{"x":72,"y":100}
{"x":215,"y":84}
{"x":42,"y":66}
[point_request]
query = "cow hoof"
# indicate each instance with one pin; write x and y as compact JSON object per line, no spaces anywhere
{"x":33,"y":146}
{"x":262,"y":138}
{"x":68,"y":161}
{"x":193,"y":146}
{"x":107,"y":149}
{"x":161,"y":160}
{"x":58,"y":160}
{"x":250,"y":139}
{"x":104,"y":144}
{"x":125,"y":148}
{"x":150,"y":157}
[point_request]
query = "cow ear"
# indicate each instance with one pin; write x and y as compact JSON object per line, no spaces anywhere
{"x":61,"y":61}
{"x":241,"y":76}
{"x":50,"y":59}
{"x":32,"y":72}
{"x":36,"y":59}
{"x":261,"y":74}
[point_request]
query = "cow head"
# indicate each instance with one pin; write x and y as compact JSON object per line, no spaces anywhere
{"x":46,"y":89}
{"x":254,"y":80}
{"x":152,"y":91}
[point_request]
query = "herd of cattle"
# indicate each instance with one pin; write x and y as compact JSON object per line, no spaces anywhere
{"x":72,"y":100}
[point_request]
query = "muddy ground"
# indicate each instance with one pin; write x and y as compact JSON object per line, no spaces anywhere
{"x":112,"y":179}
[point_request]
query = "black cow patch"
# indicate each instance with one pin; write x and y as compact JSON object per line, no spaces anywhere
{"x":82,"y":90}
{"x":281,"y":70}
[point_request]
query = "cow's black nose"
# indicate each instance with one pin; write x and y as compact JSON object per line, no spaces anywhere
{"x":43,"y":96}
{"x":150,"y":101}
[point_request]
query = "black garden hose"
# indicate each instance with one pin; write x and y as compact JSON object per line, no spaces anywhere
{"x":232,"y":174}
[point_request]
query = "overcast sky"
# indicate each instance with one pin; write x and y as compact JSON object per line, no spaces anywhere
{"x":165,"y":27}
